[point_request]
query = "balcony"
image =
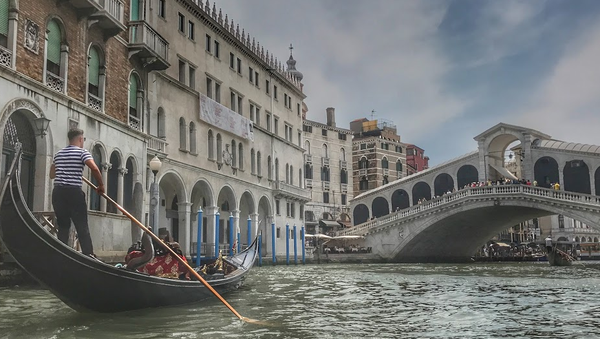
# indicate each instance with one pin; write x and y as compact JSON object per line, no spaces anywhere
{"x":55,"y":82}
{"x":94,"y":102}
{"x":157,"y":145}
{"x":325,"y":162}
{"x":362,"y":172}
{"x":344,"y":188}
{"x":326,"y":185}
{"x":283,"y":190}
{"x":308,"y":183}
{"x":386,"y":172}
{"x":343,"y":164}
{"x":308,"y":158}
{"x":108,"y":14}
{"x":134,"y":123}
{"x":5,"y":57}
{"x":149,"y":46}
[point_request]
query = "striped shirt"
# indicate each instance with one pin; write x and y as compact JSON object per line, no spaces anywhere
{"x":69,"y":163}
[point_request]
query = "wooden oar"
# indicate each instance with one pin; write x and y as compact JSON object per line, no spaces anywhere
{"x":181,"y":260}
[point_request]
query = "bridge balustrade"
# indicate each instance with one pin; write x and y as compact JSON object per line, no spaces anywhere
{"x":364,"y":228}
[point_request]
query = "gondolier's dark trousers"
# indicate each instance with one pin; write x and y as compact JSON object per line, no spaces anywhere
{"x":69,"y":205}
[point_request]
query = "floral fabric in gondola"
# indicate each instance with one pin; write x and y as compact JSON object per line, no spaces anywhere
{"x":162,"y":265}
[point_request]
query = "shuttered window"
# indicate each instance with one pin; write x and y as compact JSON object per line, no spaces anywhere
{"x":93,"y":67}
{"x":133,"y":88}
{"x":135,"y":10}
{"x":4,"y":17}
{"x":54,"y":40}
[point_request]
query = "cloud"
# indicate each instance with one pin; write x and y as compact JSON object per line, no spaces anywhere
{"x":567,"y":105}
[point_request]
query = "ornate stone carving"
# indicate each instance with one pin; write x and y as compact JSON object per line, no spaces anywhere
{"x":32,"y":36}
{"x":24,"y":104}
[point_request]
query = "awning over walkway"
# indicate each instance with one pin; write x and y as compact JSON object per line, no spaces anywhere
{"x":504,"y":172}
{"x":328,"y":223}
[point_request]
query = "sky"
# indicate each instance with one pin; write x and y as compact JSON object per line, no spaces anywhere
{"x":442,"y":71}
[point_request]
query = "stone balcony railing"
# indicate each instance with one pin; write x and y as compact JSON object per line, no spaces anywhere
{"x":326,"y":185}
{"x":343,"y":164}
{"x":362,"y":172}
{"x":55,"y":82}
{"x":464,"y":194}
{"x":308,"y":183}
{"x":150,"y":46}
{"x":325,"y":162}
{"x":344,"y":188}
{"x":6,"y":56}
{"x":157,"y":144}
{"x":134,"y":122}
{"x":115,"y":8}
{"x":308,"y":158}
{"x":291,"y":191}
{"x":95,"y":102}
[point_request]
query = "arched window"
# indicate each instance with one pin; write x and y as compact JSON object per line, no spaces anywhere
{"x":135,"y":10}
{"x":300,"y":181}
{"x":384,"y":163}
{"x":342,"y":154}
{"x":399,"y":167}
{"x":252,"y":162}
{"x":193,"y":138}
{"x":325,"y":151}
{"x":307,"y":146}
{"x":308,"y":171}
{"x":160,"y":124}
{"x":135,"y":102}
{"x":219,"y":149}
{"x":291,"y":175}
{"x":96,"y":79}
{"x":56,"y":57}
{"x":344,"y":176}
{"x":211,"y":145}
{"x":258,"y":164}
{"x":363,"y":163}
{"x":233,"y":154}
{"x":241,"y":156}
{"x":269,"y":168}
{"x":277,"y":170}
{"x":182,"y":134}
{"x":4,"y":4}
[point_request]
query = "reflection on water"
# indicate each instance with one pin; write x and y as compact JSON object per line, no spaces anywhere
{"x":483,"y":300}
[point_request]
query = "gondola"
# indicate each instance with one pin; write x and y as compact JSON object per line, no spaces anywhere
{"x":557,"y":257}
{"x":88,"y":285}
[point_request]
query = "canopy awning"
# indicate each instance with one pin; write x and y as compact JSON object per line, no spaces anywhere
{"x":504,"y":172}
{"x":328,"y":223}
{"x":318,"y":236}
{"x":502,"y":244}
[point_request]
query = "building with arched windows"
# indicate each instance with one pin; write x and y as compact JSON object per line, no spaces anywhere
{"x":327,"y":173}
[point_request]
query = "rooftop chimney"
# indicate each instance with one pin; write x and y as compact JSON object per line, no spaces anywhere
{"x":331,"y":116}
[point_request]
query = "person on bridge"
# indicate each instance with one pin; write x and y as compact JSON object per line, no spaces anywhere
{"x":549,"y":243}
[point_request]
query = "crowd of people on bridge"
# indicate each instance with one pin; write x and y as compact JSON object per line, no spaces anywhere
{"x":507,"y":181}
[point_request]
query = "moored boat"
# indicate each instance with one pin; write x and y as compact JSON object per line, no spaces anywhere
{"x":557,"y":257}
{"x":86,"y":284}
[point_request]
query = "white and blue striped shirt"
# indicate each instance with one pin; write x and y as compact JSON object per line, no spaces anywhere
{"x":69,"y":163}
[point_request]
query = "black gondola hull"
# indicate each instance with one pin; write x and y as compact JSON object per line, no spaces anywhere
{"x":86,"y":284}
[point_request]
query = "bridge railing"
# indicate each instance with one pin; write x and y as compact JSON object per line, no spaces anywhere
{"x":468,"y":192}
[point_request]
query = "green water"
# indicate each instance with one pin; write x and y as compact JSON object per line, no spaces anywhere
{"x":479,"y":300}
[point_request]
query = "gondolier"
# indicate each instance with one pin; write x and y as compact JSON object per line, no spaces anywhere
{"x":68,"y":199}
{"x":549,"y":244}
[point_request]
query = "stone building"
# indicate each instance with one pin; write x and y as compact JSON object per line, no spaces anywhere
{"x":326,"y":168}
{"x":378,"y":155}
{"x":416,"y":160}
{"x":173,"y":79}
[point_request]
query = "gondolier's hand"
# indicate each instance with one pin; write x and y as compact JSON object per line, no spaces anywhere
{"x":100,"y":189}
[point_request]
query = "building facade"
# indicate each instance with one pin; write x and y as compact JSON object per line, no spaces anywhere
{"x":416,"y":160}
{"x":326,"y":172}
{"x":378,"y":155}
{"x":144,"y":78}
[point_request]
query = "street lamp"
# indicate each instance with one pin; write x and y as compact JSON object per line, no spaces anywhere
{"x":41,"y":126}
{"x":155,"y":165}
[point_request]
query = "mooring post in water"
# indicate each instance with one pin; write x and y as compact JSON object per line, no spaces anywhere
{"x":231,"y":238}
{"x":303,"y":244}
{"x":239,"y":245}
{"x":295,"y":246}
{"x":199,"y":238}
{"x":260,"y":249}
{"x":287,"y":244}
{"x":273,"y":243}
{"x":217,"y":221}
{"x":249,"y":232}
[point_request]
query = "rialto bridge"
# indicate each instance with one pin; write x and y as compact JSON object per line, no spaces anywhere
{"x":450,"y":227}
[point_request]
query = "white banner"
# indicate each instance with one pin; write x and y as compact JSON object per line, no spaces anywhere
{"x":222,"y":117}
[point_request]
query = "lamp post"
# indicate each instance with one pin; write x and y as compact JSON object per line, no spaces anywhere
{"x":155,"y":165}
{"x":41,"y":126}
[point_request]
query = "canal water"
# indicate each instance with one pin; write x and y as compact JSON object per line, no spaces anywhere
{"x":478,"y":300}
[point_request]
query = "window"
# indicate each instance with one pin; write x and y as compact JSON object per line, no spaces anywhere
{"x":232,"y":101}
{"x":324,"y":132}
{"x":161,"y":128}
{"x":251,"y":74}
{"x":217,"y":92}
{"x":293,"y":209}
{"x":241,"y":156}
{"x":182,"y":134}
{"x":384,"y":163}
{"x":231,"y":61}
{"x":192,"y":138}
{"x":267,"y":87}
{"x":181,"y":23}
{"x":192,"y":80}
{"x":299,"y":139}
{"x":135,"y":113}
{"x":257,"y":115}
{"x":256,"y":78}
{"x":217,"y":49}
{"x":307,"y":128}
{"x":211,"y":145}
{"x":161,"y":8}
{"x":55,"y":57}
{"x":278,"y":231}
{"x":236,"y":102}
{"x":207,"y":43}
{"x":191,"y":30}
{"x":233,"y":154}
{"x":276,"y":125}
{"x":363,"y":146}
{"x":219,"y":148}
{"x":209,"y":85}
{"x":95,"y":80}
{"x":398,"y":149}
{"x":344,"y":199}
{"x":277,"y":210}
{"x":364,"y":184}
{"x":269,"y":168}
{"x":252,"y":162}
{"x":240,"y":105}
{"x":298,"y":110}
{"x":275,"y":92}
{"x":268,"y":121}
{"x":287,"y":209}
{"x":326,"y":197}
{"x":341,"y":136}
{"x":258,"y":164}
{"x":182,"y":66}
{"x":239,"y":66}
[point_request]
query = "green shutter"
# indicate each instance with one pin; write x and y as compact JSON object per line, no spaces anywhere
{"x":54,"y":40}
{"x":135,"y":10}
{"x":133,"y":85}
{"x":4,"y":17}
{"x":93,"y":67}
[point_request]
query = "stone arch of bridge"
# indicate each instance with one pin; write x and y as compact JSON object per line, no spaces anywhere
{"x":454,"y":234}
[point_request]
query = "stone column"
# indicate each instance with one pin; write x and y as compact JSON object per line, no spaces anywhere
{"x":592,"y":181}
{"x":255,"y":225}
{"x":482,"y":160}
{"x":527,"y":162}
{"x":209,"y":214}
{"x":561,"y":179}
{"x":183,"y":211}
{"x":105,"y":166}
{"x":122,"y":172}
{"x":13,"y":27}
